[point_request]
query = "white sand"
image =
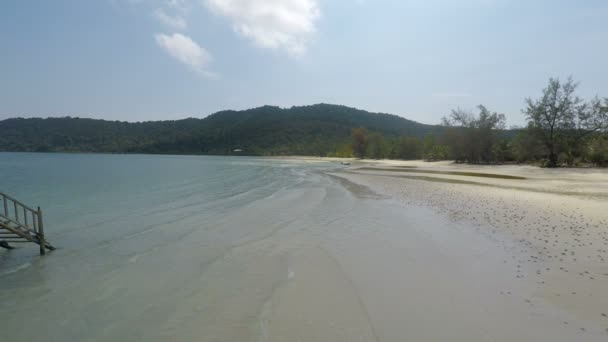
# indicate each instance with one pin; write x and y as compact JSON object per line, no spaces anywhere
{"x":553,"y":227}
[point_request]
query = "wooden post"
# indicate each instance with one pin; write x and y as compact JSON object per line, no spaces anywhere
{"x":41,"y":233}
{"x":35,"y":220}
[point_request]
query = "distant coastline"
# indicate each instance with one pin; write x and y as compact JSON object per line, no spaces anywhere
{"x":574,"y":135}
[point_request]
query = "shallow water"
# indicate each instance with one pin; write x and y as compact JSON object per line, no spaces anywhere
{"x":191,"y":248}
{"x":133,"y":233}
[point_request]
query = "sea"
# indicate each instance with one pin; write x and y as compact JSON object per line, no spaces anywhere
{"x":157,"y":247}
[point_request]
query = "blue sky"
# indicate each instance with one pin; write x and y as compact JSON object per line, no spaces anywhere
{"x":139,"y":60}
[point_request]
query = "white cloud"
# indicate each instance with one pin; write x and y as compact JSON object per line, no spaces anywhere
{"x":274,"y":24}
{"x":187,"y":51}
{"x":176,"y":22}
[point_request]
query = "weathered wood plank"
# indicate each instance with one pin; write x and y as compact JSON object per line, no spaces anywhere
{"x":14,"y":228}
{"x":41,"y":240}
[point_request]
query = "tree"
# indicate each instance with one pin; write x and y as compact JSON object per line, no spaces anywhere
{"x":407,"y":148}
{"x":377,"y":148}
{"x":360,"y":141}
{"x":427,"y":145}
{"x":473,"y":137}
{"x":597,"y":150}
{"x":438,"y":152}
{"x":306,"y":130}
{"x":592,"y":117}
{"x":344,"y":151}
{"x":526,"y":146}
{"x":503,"y":151}
{"x":432,"y":150}
{"x":561,"y":119}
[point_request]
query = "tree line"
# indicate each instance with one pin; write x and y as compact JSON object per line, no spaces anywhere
{"x":562,"y":129}
{"x":300,"y":130}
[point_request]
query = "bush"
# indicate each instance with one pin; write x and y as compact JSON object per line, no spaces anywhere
{"x":597,"y":151}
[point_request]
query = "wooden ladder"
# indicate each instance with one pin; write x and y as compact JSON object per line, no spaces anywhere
{"x":20,"y":223}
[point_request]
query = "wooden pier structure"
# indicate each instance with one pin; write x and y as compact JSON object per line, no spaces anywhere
{"x":21,"y":224}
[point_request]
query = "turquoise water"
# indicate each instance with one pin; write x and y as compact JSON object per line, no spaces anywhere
{"x":134,"y":233}
{"x":90,"y":200}
{"x":80,"y":191}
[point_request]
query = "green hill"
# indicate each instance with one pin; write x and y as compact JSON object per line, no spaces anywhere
{"x":267,"y":130}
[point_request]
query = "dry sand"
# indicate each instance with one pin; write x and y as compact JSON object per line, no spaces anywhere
{"x":552,"y":227}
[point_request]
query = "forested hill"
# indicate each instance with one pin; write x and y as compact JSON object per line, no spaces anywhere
{"x":308,"y":130}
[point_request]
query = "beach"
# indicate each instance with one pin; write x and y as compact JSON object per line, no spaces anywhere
{"x":552,"y":225}
{"x":190,"y":248}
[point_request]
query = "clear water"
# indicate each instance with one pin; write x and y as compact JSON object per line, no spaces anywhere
{"x":135,"y":234}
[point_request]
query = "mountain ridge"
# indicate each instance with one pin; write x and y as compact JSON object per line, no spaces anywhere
{"x":267,"y":130}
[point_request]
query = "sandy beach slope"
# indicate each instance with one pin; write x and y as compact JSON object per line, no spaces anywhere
{"x":551,"y":225}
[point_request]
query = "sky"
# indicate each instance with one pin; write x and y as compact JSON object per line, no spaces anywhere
{"x":139,"y":60}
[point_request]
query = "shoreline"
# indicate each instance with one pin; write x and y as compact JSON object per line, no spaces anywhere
{"x":401,"y":263}
{"x":561,"y":238}
{"x":356,"y":161}
{"x":394,"y":163}
{"x":316,"y":252}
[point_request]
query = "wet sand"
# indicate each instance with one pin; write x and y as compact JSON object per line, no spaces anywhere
{"x":552,"y":226}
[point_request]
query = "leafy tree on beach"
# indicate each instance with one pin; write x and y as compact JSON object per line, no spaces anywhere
{"x":562,"y":120}
{"x":407,"y":148}
{"x":432,"y":150}
{"x":344,"y":151}
{"x":597,"y":150}
{"x":427,"y":144}
{"x":526,"y":147}
{"x":360,"y":141}
{"x":473,"y":137}
{"x":377,"y":146}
